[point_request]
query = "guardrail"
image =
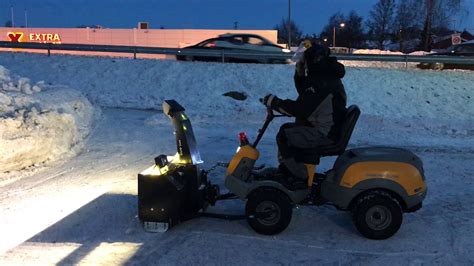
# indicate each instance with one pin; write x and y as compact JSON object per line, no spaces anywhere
{"x":228,"y":53}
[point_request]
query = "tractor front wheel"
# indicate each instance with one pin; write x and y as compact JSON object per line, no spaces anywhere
{"x":268,"y":211}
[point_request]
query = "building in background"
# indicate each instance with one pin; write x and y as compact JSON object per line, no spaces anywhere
{"x":166,"y":38}
{"x":444,"y":42}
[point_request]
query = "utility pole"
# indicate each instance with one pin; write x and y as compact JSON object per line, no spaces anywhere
{"x":289,"y":24}
{"x":341,"y":25}
{"x":13,"y":21}
{"x":236,"y":25}
{"x":26,"y":18}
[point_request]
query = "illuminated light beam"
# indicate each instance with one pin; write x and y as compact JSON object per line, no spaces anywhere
{"x":16,"y":225}
{"x":117,"y":253}
{"x":34,"y":252}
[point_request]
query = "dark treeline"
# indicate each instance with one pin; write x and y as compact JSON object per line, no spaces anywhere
{"x":404,"y":25}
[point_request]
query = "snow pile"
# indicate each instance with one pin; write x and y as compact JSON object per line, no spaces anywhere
{"x":380,"y":64}
{"x":437,"y":101}
{"x":376,"y":51}
{"x":376,"y":64}
{"x":143,"y":84}
{"x":419,"y":53}
{"x":39,"y":123}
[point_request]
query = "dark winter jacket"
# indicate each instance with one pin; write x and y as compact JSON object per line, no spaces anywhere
{"x":322,"y":99}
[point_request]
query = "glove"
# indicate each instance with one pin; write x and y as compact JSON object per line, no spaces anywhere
{"x":271,"y":101}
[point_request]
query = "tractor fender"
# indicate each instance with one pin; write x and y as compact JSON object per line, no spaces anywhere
{"x":391,"y":186}
{"x":342,"y":196}
{"x":243,"y":189}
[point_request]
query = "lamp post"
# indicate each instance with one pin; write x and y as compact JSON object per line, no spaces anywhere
{"x":342,"y":25}
{"x":289,"y":24}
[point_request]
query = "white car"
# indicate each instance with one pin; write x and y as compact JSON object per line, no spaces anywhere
{"x":237,"y":42}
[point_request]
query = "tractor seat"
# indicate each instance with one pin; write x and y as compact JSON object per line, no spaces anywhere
{"x":312,"y":156}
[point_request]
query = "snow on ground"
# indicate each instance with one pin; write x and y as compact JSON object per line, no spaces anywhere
{"x":91,"y":213}
{"x":376,"y":51}
{"x":84,"y":211}
{"x":38,"y":122}
{"x":392,"y":65}
{"x":437,"y":103}
{"x":381,"y":65}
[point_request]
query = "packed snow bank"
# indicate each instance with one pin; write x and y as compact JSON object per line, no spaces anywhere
{"x":39,"y":122}
{"x":414,"y":98}
{"x":376,"y":64}
{"x":376,"y":51}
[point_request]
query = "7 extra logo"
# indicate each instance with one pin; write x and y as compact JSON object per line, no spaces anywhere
{"x":15,"y":36}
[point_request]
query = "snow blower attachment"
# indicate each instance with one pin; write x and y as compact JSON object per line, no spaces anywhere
{"x":376,"y":184}
{"x":172,"y":190}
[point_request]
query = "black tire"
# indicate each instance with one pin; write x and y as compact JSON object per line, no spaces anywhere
{"x":437,"y":66}
{"x":377,"y":215}
{"x":268,"y":211}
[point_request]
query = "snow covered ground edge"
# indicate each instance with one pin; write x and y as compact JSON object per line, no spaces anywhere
{"x":39,"y":123}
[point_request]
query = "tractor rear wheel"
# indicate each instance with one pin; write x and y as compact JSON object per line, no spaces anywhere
{"x":377,"y":215}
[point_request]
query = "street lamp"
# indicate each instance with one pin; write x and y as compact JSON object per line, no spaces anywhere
{"x":342,"y":25}
{"x":289,"y":24}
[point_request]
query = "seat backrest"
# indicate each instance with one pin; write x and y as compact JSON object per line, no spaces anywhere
{"x":347,"y":128}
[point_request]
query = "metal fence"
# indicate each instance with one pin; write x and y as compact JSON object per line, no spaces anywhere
{"x":223,"y":54}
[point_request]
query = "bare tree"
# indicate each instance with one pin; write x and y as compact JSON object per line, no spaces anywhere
{"x":353,"y":35}
{"x":334,"y":21}
{"x":381,"y":21}
{"x":282,"y":29}
{"x":407,"y":21}
{"x":437,"y":14}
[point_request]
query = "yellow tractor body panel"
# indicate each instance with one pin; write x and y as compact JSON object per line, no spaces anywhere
{"x":246,"y":151}
{"x":404,"y":174}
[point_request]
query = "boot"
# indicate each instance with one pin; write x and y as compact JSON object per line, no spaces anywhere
{"x":295,"y":173}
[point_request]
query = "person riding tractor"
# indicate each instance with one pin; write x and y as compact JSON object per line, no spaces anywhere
{"x":318,"y":110}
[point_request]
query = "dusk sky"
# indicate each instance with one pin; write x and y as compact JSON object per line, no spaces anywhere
{"x":310,"y":15}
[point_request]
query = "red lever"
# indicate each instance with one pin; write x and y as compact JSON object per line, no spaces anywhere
{"x":243,"y":139}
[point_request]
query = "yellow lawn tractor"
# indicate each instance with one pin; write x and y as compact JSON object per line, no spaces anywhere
{"x":376,"y":184}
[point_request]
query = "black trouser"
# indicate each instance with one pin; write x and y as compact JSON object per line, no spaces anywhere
{"x":284,"y":149}
{"x":291,"y":138}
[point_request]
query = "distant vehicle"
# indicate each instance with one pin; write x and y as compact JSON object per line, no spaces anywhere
{"x":464,"y":49}
{"x":340,"y":50}
{"x":236,"y":42}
